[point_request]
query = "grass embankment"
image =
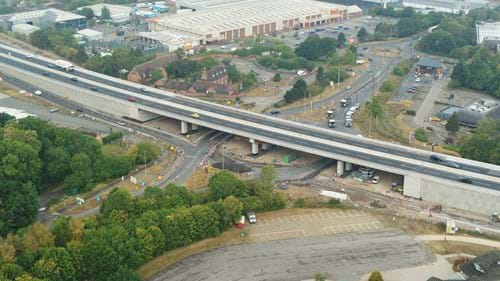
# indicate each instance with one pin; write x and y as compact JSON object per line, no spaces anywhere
{"x":388,"y":125}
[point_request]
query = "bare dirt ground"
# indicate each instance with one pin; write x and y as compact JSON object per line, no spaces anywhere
{"x":240,"y":149}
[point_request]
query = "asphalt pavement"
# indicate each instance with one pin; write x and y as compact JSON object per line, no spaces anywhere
{"x":344,"y":257}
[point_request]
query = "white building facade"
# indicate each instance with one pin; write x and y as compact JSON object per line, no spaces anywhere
{"x":487,"y":31}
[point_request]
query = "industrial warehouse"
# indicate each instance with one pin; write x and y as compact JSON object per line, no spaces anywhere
{"x":231,"y":21}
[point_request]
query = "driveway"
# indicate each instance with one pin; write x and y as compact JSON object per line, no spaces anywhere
{"x":344,"y":257}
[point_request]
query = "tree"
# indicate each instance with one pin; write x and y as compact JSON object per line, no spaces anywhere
{"x":61,"y":231}
{"x":362,"y":35}
{"x":320,"y":77}
{"x":105,"y":14}
{"x":81,"y":173}
{"x":277,"y":77}
{"x":87,"y":12}
{"x":233,"y":74}
{"x":452,"y":125}
{"x":118,"y":201}
{"x":224,"y":184}
{"x":267,"y":175}
{"x":105,"y":250}
{"x":341,"y":40}
{"x":376,"y":276}
{"x":375,"y":110}
{"x":4,"y":118}
{"x":37,"y":237}
{"x":232,"y":210}
{"x":144,"y":152}
{"x":155,"y":76}
{"x":320,"y":276}
{"x":439,"y":41}
{"x":56,"y":264}
{"x":484,"y":145}
{"x":315,"y":47}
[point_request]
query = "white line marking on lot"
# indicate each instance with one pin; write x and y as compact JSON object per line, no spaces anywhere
{"x":301,"y":231}
{"x":280,"y":220}
{"x":265,"y":221}
{"x":286,"y":218}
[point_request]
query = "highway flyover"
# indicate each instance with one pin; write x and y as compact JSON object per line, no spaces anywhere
{"x":112,"y":95}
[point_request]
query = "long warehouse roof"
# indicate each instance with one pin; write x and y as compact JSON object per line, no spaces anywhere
{"x":248,"y":13}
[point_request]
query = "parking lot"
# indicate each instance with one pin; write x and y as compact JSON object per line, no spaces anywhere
{"x":303,"y":223}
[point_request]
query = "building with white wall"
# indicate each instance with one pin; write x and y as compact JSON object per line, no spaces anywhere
{"x":118,"y":13}
{"x":24,"y":29}
{"x":170,"y":39}
{"x":487,"y":31}
{"x":249,"y":18}
{"x":445,"y":6}
{"x":91,"y":35}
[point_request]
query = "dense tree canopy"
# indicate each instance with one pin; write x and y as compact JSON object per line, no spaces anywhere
{"x":315,"y":47}
{"x":484,"y":145}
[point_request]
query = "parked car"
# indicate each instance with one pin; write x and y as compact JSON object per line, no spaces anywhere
{"x":375,"y":179}
{"x":132,"y":99}
{"x":53,"y":110}
{"x":275,"y":112}
{"x":38,"y":93}
{"x":251,"y":217}
{"x":74,"y":79}
{"x":94,"y":89}
{"x":121,"y":123}
{"x":195,"y":115}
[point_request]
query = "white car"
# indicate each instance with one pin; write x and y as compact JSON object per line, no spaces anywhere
{"x":375,"y":179}
{"x":251,"y":217}
{"x":301,"y":72}
{"x":121,"y":123}
{"x":38,"y":92}
{"x":223,"y":47}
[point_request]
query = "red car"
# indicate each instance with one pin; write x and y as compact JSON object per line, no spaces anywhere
{"x":132,"y":99}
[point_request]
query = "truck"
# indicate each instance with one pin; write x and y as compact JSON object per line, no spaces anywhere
{"x":345,"y":102}
{"x":330,"y":113}
{"x":66,"y":65}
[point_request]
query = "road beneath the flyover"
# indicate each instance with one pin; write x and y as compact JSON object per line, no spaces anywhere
{"x":344,"y":257}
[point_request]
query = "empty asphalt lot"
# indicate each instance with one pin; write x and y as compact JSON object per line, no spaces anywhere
{"x":345,"y":257}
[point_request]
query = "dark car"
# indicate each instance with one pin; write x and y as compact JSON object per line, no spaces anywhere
{"x":466,"y":180}
{"x":46,"y":74}
{"x":436,"y":158}
{"x":74,"y":79}
{"x":94,"y":89}
{"x":50,"y":66}
{"x":275,"y":112}
{"x":79,"y":109}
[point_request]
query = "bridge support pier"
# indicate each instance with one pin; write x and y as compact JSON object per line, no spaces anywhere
{"x":265,"y":146}
{"x":184,"y":127}
{"x":348,"y":166}
{"x":340,"y":168}
{"x":194,"y":127}
{"x":255,"y":146}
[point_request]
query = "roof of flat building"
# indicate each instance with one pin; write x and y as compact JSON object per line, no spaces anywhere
{"x":244,"y":14}
{"x":113,"y":9}
{"x":427,"y":62}
{"x":169,"y":36}
{"x":59,"y":15}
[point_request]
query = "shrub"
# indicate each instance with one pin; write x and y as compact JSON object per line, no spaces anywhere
{"x":420,"y":135}
{"x":387,"y":86}
{"x":411,"y":112}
